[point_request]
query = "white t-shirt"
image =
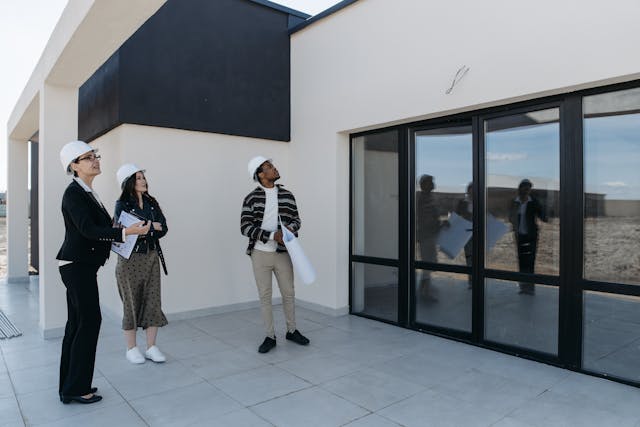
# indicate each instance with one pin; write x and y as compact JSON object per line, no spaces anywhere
{"x":269,"y":220}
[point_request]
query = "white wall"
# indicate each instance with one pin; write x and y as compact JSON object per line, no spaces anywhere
{"x":379,"y":62}
{"x":200,"y":180}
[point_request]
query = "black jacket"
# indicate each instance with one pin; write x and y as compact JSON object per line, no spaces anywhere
{"x":88,"y":228}
{"x":151,"y":212}
{"x":534,"y":209}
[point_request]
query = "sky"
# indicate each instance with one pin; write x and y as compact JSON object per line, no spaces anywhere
{"x":25,"y":27}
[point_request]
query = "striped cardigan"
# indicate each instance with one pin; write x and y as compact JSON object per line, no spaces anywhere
{"x":253,"y":212}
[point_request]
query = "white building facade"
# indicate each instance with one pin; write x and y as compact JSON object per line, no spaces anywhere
{"x":381,"y":94}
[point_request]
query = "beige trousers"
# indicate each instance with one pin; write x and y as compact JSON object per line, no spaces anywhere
{"x":264,"y":265}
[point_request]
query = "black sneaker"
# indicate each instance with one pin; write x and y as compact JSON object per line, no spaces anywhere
{"x":297,"y":337}
{"x":267,"y":345}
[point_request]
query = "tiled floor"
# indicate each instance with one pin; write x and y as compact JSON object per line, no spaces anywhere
{"x":356,"y":372}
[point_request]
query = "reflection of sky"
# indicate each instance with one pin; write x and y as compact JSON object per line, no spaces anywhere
{"x":447,"y":158}
{"x":525,"y":152}
{"x":611,"y":151}
{"x":612,"y":156}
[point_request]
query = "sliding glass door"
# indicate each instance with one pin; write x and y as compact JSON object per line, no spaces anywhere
{"x":515,"y":228}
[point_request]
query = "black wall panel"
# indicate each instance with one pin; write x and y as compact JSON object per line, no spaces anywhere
{"x":99,"y":101}
{"x":216,"y":66}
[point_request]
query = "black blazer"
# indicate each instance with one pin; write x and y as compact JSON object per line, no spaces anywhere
{"x":89,"y":229}
{"x":534,"y":209}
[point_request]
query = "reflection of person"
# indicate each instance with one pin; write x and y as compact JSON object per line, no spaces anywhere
{"x":428,"y":226}
{"x":465,"y":210}
{"x":262,"y":210}
{"x":139,"y":276}
{"x":87,"y":242}
{"x":522,"y":215}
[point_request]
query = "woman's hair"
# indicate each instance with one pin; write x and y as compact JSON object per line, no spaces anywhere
{"x":129,"y":191}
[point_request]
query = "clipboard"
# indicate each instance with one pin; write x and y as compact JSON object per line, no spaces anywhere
{"x":126,"y":248}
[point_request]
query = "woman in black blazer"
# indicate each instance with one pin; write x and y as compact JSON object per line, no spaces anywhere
{"x":87,"y":242}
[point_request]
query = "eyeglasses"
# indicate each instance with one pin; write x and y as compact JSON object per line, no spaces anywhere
{"x":90,"y":157}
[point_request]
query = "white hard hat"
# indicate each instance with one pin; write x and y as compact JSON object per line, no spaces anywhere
{"x":125,"y":171}
{"x":255,"y":164}
{"x":71,"y":151}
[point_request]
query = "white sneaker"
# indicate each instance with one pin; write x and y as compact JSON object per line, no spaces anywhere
{"x":154,"y":353}
{"x":134,"y":356}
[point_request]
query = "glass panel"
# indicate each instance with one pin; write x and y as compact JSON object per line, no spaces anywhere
{"x":444,"y":169}
{"x":443,"y":299}
{"x":611,"y":335}
{"x":612,"y":187}
{"x":375,"y":200}
{"x":523,"y":190}
{"x":524,"y":315}
{"x":375,"y":290}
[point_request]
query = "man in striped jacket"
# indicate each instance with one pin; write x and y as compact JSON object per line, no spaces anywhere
{"x":262,"y":211}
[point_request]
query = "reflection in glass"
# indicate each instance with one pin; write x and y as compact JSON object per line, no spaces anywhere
{"x":374,"y":167}
{"x":519,"y":319}
{"x":448,"y":303}
{"x":612,"y":187}
{"x":523,"y":189}
{"x":611,"y":335}
{"x":375,"y":290}
{"x":443,"y":173}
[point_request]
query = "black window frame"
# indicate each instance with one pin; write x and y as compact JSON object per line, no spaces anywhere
{"x":569,"y":280}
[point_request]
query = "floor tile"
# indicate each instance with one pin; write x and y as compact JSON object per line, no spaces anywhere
{"x":10,"y":412}
{"x":35,"y":379}
{"x":259,"y":385}
{"x":6,"y":386}
{"x":318,"y":368}
{"x":371,"y":389}
{"x":151,"y":378}
{"x":197,"y":403}
{"x":309,"y":407}
{"x":190,"y":347}
{"x":218,"y":365}
{"x":33,"y":358}
{"x":241,"y":418}
{"x":553,"y":409}
{"x":432,"y":409}
{"x":492,"y":392}
{"x":372,"y":420}
{"x":109,"y":416}
{"x":44,"y":406}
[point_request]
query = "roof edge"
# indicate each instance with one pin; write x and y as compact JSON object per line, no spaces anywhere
{"x":281,"y":8}
{"x":333,"y":9}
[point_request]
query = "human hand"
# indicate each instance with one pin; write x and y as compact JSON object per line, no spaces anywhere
{"x":141,"y":227}
{"x":278,"y":237}
{"x":157,"y":226}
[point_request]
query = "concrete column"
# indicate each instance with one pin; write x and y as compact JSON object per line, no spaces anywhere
{"x":17,"y":211}
{"x":58,"y":125}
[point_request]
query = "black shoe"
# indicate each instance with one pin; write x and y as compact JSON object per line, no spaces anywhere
{"x":267,"y":345}
{"x":68,"y":399}
{"x":297,"y":337}
{"x":93,"y":390}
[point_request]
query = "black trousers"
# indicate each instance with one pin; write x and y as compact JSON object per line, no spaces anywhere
{"x":81,"y":332}
{"x":527,"y":248}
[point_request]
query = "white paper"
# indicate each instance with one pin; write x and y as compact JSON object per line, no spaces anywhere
{"x":301,"y":263}
{"x":125,"y":249}
{"x":495,"y":230}
{"x":452,"y":239}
